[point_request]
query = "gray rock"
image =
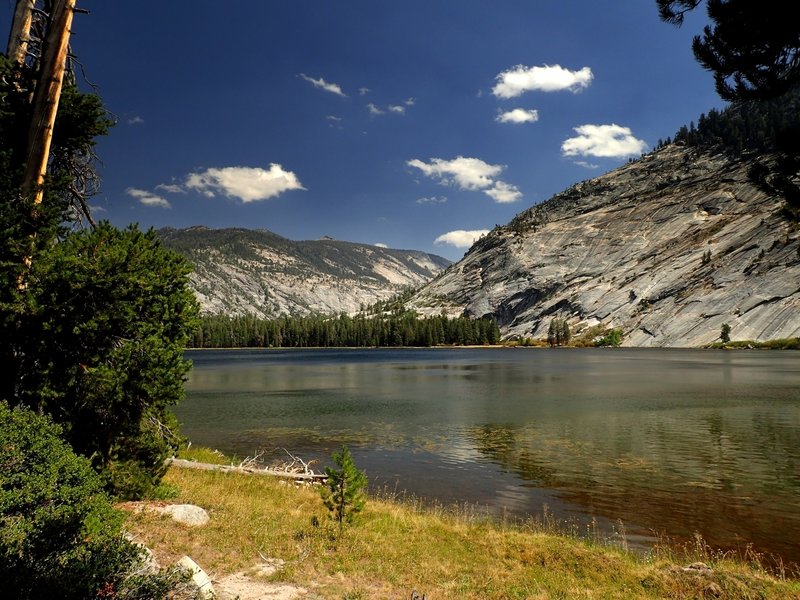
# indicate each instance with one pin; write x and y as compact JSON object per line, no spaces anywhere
{"x":200,"y":580}
{"x":628,"y":249}
{"x":188,"y":514}
{"x":241,"y":272}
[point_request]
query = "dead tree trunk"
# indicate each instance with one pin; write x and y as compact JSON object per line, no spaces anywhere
{"x":20,"y":35}
{"x":46,"y":98}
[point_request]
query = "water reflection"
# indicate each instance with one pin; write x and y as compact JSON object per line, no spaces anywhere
{"x":668,"y":441}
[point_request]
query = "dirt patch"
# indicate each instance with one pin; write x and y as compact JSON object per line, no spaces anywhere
{"x":242,"y":586}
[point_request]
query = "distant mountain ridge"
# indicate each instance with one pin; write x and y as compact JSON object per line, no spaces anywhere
{"x":245,"y":271}
{"x":667,"y":248}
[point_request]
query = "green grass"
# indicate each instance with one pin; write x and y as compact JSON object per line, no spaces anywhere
{"x":445,"y":553}
{"x":205,"y":455}
{"x":779,"y":344}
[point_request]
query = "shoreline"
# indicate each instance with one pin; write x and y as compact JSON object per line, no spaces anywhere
{"x":399,"y":545}
{"x":778,"y":344}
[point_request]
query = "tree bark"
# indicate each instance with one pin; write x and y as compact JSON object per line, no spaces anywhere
{"x":20,"y":34}
{"x":46,"y":98}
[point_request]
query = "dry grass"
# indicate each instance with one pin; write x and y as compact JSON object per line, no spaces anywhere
{"x":397,"y":547}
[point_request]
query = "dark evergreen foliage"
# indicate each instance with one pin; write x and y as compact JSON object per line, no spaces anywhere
{"x":92,"y":323}
{"x":760,"y":128}
{"x":766,"y":126}
{"x":395,"y":329}
{"x":110,"y":365}
{"x":752,"y":48}
{"x":558,"y":334}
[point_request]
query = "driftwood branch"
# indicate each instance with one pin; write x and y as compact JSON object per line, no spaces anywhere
{"x":248,"y":469}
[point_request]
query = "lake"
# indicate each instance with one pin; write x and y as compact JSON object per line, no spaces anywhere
{"x":649,"y":442}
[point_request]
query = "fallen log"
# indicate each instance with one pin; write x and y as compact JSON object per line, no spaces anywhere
{"x":190,"y":464}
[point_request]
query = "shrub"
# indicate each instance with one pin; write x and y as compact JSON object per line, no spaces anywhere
{"x":613,"y":337}
{"x":101,"y":350}
{"x":59,"y":534}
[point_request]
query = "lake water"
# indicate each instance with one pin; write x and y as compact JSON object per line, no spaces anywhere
{"x":665,"y":442}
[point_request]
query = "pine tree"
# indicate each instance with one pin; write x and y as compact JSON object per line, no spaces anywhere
{"x":344,"y":492}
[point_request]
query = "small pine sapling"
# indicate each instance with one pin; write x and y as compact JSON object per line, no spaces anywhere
{"x":344,"y":492}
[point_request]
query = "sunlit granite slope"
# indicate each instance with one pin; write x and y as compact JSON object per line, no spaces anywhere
{"x":668,"y":248}
{"x":242,"y":271}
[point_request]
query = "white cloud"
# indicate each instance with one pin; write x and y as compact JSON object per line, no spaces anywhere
{"x":364,"y":90}
{"x":604,"y":141}
{"x":320,"y":83}
{"x":379,"y":245}
{"x":518,"y":115}
{"x":432,"y":200}
{"x":460,"y":238}
{"x":171,"y":188}
{"x":148,"y":198}
{"x":520,"y":79}
{"x":586,"y":165}
{"x":334,"y":118}
{"x":397,"y":109}
{"x":465,"y":173}
{"x":135,"y":120}
{"x":471,"y":174}
{"x":503,"y":193}
{"x":410,"y":101}
{"x":249,"y":184}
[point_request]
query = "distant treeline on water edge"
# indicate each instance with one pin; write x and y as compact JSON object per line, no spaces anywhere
{"x":407,"y":329}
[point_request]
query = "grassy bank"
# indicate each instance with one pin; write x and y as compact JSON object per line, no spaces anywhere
{"x":397,"y":547}
{"x":779,"y":344}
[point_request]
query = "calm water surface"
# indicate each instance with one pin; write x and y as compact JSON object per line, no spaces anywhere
{"x":665,"y":442}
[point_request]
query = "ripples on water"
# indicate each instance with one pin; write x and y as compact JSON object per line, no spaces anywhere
{"x":668,"y":441}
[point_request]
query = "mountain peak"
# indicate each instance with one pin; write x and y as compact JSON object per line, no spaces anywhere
{"x":246,"y":271}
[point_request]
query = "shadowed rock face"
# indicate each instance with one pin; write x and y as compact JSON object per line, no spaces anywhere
{"x":242,"y":271}
{"x":668,"y":248}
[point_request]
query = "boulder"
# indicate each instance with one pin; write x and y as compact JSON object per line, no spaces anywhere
{"x":188,"y":514}
{"x":200,"y":580}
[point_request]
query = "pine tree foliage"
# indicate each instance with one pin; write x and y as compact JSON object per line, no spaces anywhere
{"x":765,"y":126}
{"x":92,"y":322}
{"x":760,"y":128}
{"x":109,"y":366}
{"x":382,"y":330}
{"x":752,"y":48}
{"x":344,"y":491}
{"x":558,"y":334}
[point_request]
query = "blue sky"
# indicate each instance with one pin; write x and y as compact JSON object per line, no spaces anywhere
{"x":398,"y":123}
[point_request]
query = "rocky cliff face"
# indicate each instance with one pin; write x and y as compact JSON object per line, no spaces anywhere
{"x":668,"y":248}
{"x":240,"y":271}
